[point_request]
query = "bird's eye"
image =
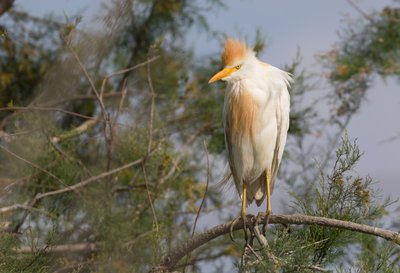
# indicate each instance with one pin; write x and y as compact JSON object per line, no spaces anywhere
{"x":238,"y":67}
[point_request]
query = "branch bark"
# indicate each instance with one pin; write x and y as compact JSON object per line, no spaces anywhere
{"x":200,"y":239}
{"x":30,"y":205}
{"x":5,"y":5}
{"x":80,"y":247}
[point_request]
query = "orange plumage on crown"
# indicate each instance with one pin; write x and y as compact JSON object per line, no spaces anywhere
{"x":234,"y":50}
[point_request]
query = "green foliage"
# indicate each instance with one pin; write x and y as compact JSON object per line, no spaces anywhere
{"x":343,"y":195}
{"x":367,"y":48}
{"x":300,"y":116}
{"x":24,"y":58}
{"x":11,"y":262}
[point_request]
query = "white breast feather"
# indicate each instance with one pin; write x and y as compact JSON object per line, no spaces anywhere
{"x":249,"y":160}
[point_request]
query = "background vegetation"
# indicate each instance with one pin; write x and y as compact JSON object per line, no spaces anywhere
{"x":106,"y":139}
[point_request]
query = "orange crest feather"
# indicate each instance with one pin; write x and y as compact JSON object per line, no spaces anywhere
{"x":234,"y":50}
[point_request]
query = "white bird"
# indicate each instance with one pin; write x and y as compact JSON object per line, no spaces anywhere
{"x":256,"y":121}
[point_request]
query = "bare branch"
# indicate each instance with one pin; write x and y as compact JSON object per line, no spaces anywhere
{"x":132,"y":187}
{"x":94,"y":178}
{"x":5,"y":5}
{"x":31,"y":164}
{"x":89,"y":79}
{"x":62,"y":248}
{"x":123,"y":71}
{"x":205,"y":191}
{"x":152,"y":95}
{"x":8,"y":137}
{"x":22,"y":206}
{"x":107,"y":126}
{"x":187,"y":144}
{"x":81,"y":97}
{"x":202,"y":200}
{"x":35,"y":108}
{"x":76,"y":131}
{"x":155,"y":221}
{"x":66,"y":155}
{"x":359,"y":10}
{"x":121,"y":104}
{"x":75,"y":186}
{"x":191,"y":244}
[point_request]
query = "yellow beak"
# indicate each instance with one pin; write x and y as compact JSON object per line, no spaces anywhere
{"x":222,"y":74}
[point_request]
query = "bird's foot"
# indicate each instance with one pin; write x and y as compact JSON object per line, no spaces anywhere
{"x":244,"y":219}
{"x":263,"y":217}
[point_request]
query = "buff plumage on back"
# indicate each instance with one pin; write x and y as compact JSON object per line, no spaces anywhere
{"x":234,"y":50}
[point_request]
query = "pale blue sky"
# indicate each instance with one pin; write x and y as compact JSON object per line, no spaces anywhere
{"x":310,"y":25}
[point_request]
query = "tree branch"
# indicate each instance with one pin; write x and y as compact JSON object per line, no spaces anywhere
{"x":359,"y":10}
{"x":33,"y":108}
{"x":75,"y":186}
{"x":51,"y":109}
{"x":79,"y":247}
{"x":5,"y":5}
{"x":94,"y":178}
{"x":200,"y":239}
{"x":31,"y":164}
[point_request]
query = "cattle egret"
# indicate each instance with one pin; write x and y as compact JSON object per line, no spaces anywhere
{"x":256,"y":121}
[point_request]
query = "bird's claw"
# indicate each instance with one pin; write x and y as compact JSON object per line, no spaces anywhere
{"x":263,"y":217}
{"x":245,"y":227}
{"x":234,"y":221}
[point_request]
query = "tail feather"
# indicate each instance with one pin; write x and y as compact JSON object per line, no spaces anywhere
{"x":225,"y":180}
{"x":257,"y":190}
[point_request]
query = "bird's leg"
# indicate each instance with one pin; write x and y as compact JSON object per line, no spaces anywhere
{"x":268,"y":190}
{"x":242,"y":214}
{"x":243,"y":210}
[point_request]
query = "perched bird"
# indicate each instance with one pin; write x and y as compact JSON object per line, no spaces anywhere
{"x":256,"y":121}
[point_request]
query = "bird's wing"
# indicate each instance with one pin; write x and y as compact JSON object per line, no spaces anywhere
{"x":228,"y":145}
{"x":282,"y":118}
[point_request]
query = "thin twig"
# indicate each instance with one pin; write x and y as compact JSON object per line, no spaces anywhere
{"x":5,"y":120}
{"x":264,"y":243}
{"x":318,"y":268}
{"x":8,"y":137}
{"x":86,"y":125}
{"x":205,"y":191}
{"x":51,"y":109}
{"x":107,"y":130}
{"x":254,"y":253}
{"x":187,"y":144}
{"x":55,"y":109}
{"x":121,"y":104}
{"x":37,"y":108}
{"x":80,"y":97}
{"x":149,"y":197}
{"x":24,"y":207}
{"x":88,"y":78}
{"x":94,"y":178}
{"x":152,"y":95}
{"x":57,"y":147}
{"x":260,"y":237}
{"x":132,"y":187}
{"x":123,"y":71}
{"x":79,"y":185}
{"x":32,"y":164}
{"x":359,"y":10}
{"x":79,"y":247}
{"x":202,"y":200}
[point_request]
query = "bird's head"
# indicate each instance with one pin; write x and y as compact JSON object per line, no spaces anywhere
{"x":237,"y":58}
